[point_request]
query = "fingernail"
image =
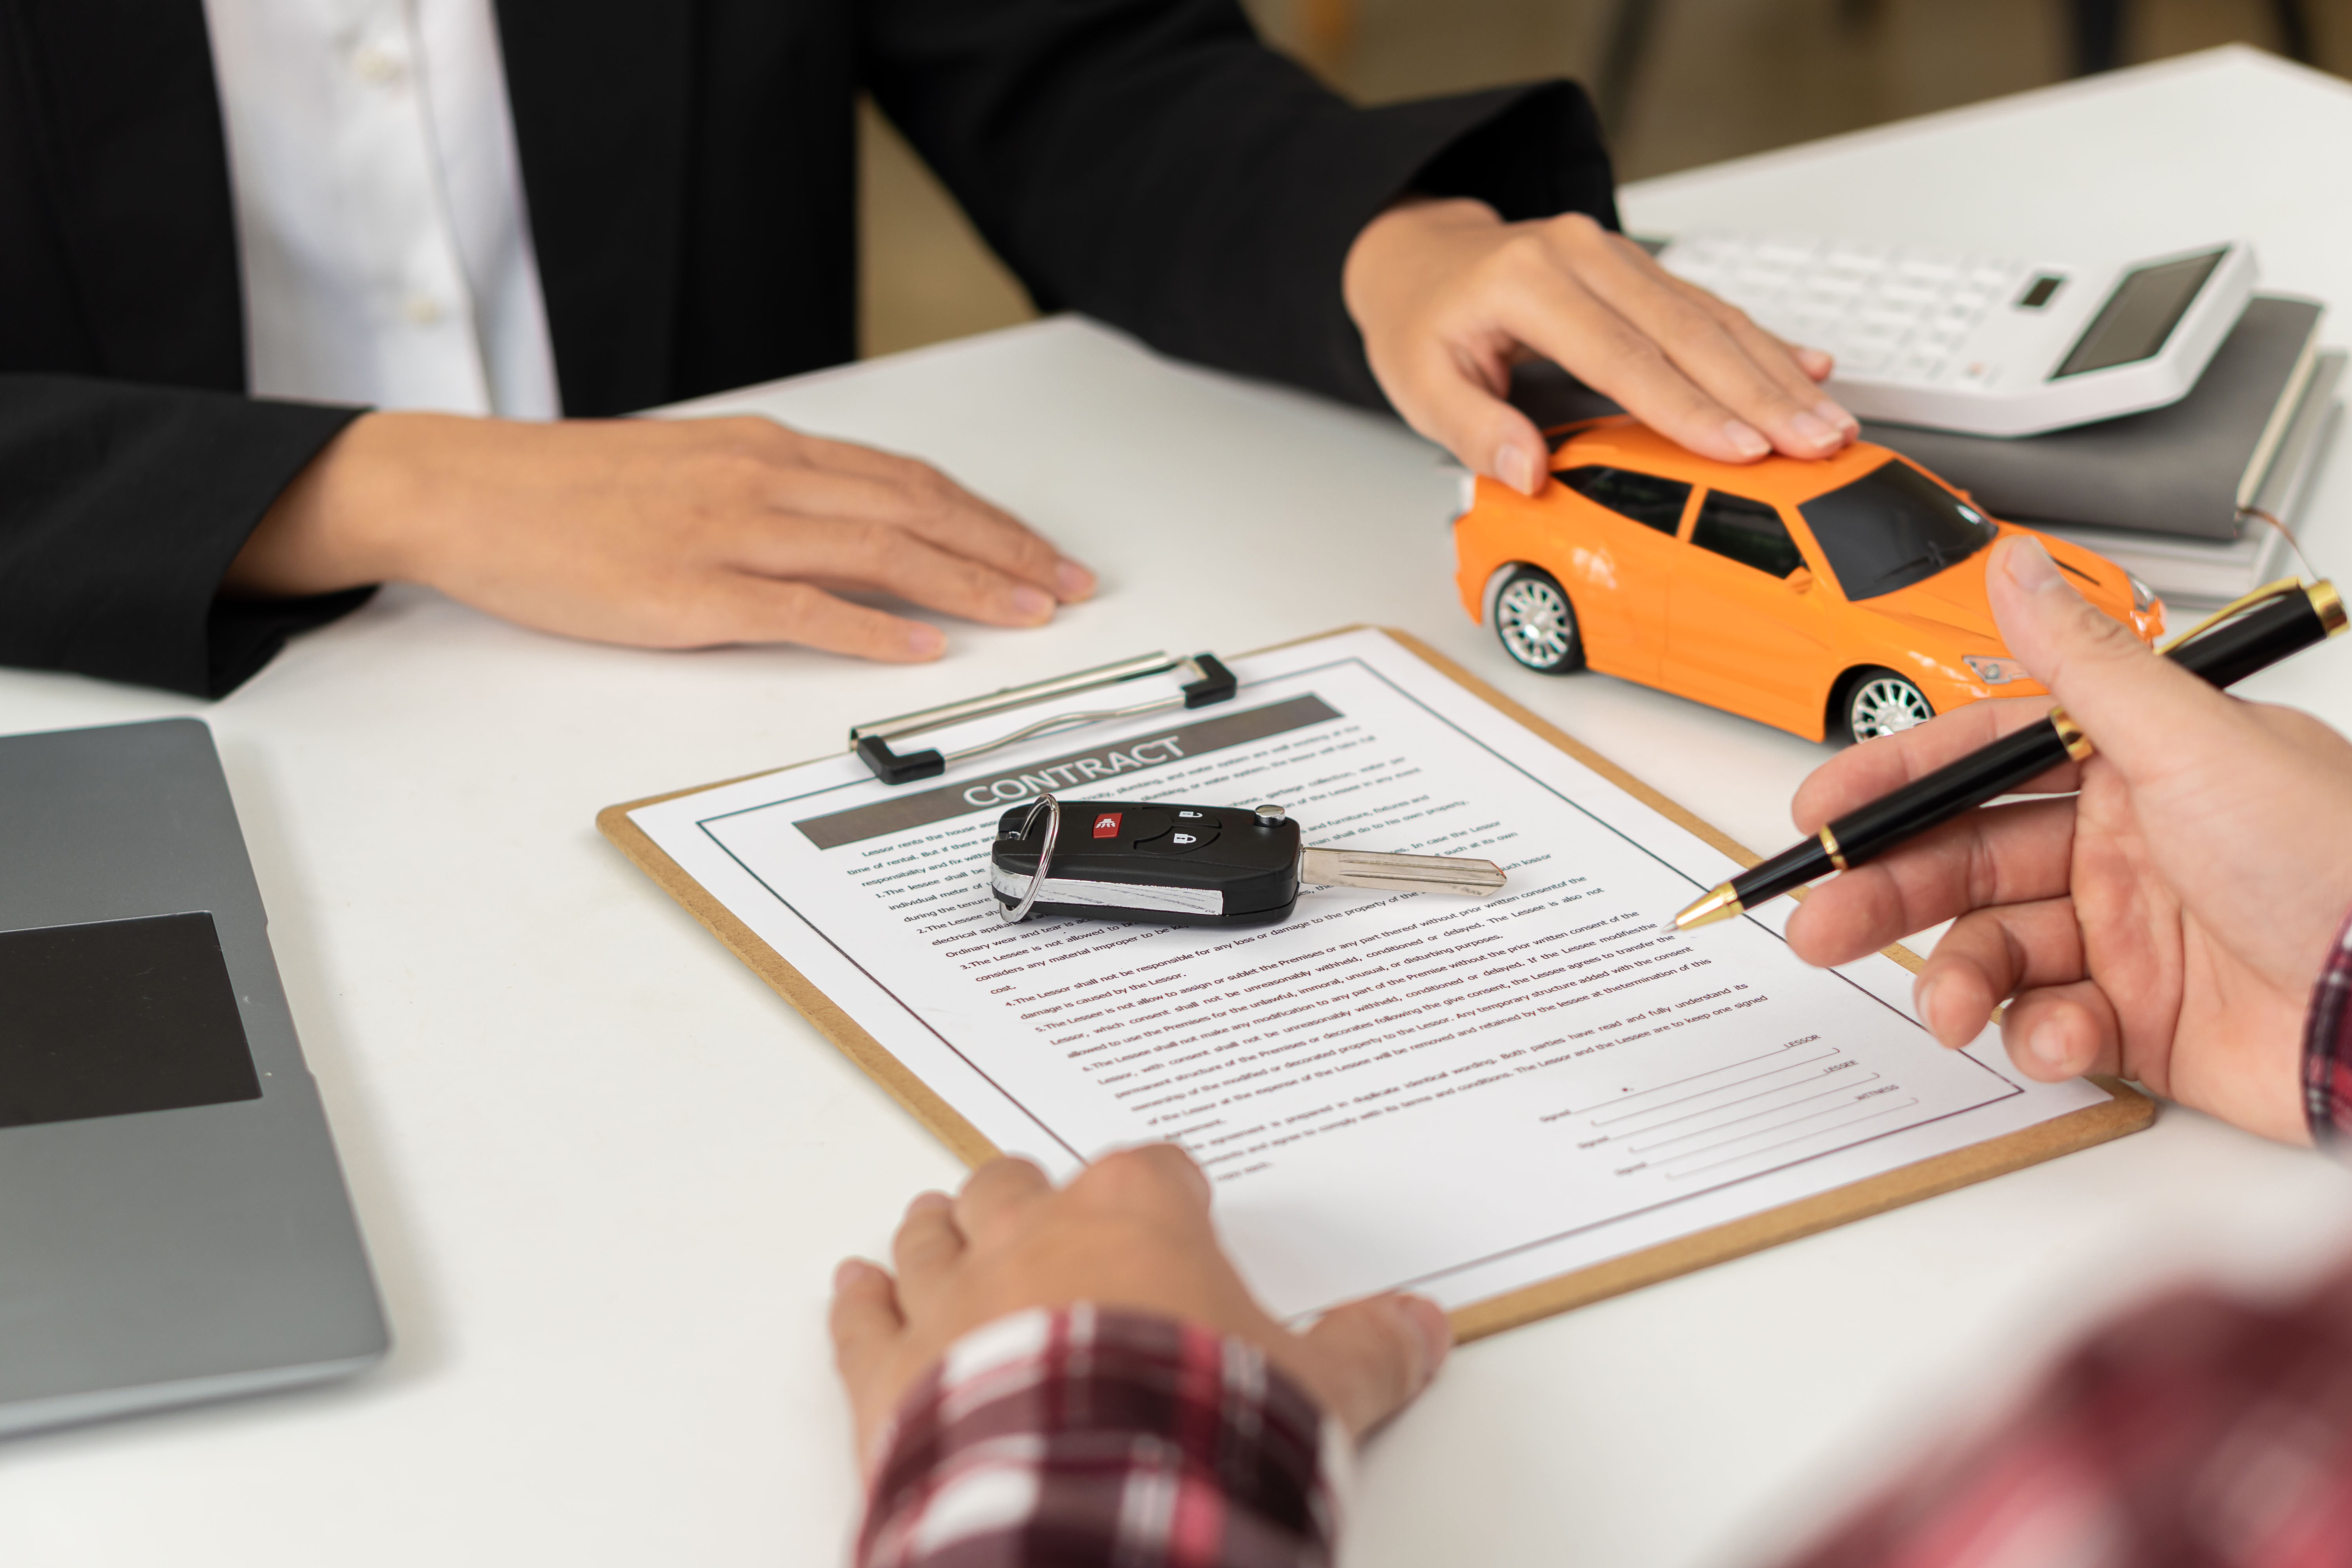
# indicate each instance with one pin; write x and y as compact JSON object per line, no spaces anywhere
{"x":1073,"y":581}
{"x":846,"y":1272}
{"x":1921,"y":999}
{"x":2048,"y":1046}
{"x":1427,"y":1319}
{"x":1817,"y":362}
{"x":1031,"y":603}
{"x":934,"y":1199}
{"x":926,"y":642}
{"x":1745,"y":438}
{"x":1831,"y":414}
{"x":1814,"y":430}
{"x":1515,"y":468}
{"x":2030,"y":566}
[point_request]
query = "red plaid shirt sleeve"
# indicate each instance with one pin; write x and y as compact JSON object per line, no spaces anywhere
{"x":1089,"y":1436}
{"x":2197,"y":1433}
{"x":2327,"y":1051}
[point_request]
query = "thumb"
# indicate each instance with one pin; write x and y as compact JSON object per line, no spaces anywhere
{"x":1376,"y":1356}
{"x":2136,"y":707}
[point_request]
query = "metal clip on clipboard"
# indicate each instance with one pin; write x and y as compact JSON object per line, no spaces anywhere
{"x":1206,"y":681}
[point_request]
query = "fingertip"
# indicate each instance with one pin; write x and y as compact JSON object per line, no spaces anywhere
{"x":2029,"y":565}
{"x":925,"y":642}
{"x":1816,"y":363}
{"x":1436,"y":1330}
{"x":1922,"y":1000}
{"x":1518,"y":468}
{"x":1034,"y":605}
{"x":1073,"y":582}
{"x":851,"y":1273}
{"x":1747,"y":443}
{"x":1165,"y":1161}
{"x":2057,"y":1048}
{"x":1816,"y":434}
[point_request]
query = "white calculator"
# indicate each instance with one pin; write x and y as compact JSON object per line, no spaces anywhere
{"x":1988,"y":345}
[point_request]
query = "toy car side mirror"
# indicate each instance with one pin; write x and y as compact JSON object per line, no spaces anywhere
{"x":1800,"y":581}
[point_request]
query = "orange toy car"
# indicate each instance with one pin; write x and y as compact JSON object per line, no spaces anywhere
{"x":1842,"y":596}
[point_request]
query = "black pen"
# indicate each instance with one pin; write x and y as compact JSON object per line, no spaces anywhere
{"x":2252,"y":634}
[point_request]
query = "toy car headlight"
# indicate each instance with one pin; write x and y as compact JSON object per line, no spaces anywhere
{"x":2143,"y":596}
{"x":1996,"y":671}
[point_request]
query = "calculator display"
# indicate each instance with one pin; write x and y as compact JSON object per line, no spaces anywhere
{"x":2139,"y":316}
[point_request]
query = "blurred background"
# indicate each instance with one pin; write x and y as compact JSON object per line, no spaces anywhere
{"x":1682,"y":82}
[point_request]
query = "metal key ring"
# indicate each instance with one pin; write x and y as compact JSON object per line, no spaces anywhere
{"x":1052,"y":808}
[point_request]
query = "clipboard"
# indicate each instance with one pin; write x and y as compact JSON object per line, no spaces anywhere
{"x":2125,"y":1111}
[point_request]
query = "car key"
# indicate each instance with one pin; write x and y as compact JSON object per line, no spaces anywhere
{"x":1189,"y":865}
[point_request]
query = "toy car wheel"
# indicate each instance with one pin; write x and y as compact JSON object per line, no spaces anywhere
{"x":1879,"y":702}
{"x":1537,"y":624}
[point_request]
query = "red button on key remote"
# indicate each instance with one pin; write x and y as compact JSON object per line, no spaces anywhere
{"x":1106,"y":825}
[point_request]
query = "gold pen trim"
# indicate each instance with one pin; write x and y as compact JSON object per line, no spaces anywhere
{"x":2327,"y":605}
{"x":1830,"y":843}
{"x":2078,"y":745}
{"x":2284,"y":586}
{"x":1721,"y":903}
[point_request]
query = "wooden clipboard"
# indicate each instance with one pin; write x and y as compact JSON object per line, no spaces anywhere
{"x":2125,"y":1110}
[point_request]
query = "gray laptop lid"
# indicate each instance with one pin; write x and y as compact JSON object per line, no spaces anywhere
{"x":173,"y":1224}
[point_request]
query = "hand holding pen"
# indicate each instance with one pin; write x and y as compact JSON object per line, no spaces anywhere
{"x":2165,"y":923}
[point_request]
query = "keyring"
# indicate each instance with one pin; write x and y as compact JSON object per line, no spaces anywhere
{"x":1052,"y":808}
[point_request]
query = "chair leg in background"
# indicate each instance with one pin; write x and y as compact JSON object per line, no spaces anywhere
{"x":1621,"y":60}
{"x":2098,"y":35}
{"x":2295,"y":29}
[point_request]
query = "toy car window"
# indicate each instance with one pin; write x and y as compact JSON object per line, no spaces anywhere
{"x":1645,"y":498}
{"x":1894,"y":527}
{"x":1749,"y":532}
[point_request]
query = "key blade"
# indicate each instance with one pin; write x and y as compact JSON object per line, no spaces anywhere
{"x":1403,"y":873}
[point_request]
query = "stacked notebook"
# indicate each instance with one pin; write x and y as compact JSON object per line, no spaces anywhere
{"x":2197,"y":499}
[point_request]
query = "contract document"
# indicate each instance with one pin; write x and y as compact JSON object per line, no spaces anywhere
{"x":1392,"y":1091}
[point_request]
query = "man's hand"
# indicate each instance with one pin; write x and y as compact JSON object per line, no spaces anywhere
{"x":665,"y":533}
{"x":1449,"y":296}
{"x":1132,"y":1230}
{"x":2168,"y":923}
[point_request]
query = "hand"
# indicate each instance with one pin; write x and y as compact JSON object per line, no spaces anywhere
{"x":665,"y":533}
{"x":2166,"y":923}
{"x":1449,"y":296}
{"x":1131,"y":1230}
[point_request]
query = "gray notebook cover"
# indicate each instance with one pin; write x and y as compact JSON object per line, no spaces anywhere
{"x":2178,"y":469}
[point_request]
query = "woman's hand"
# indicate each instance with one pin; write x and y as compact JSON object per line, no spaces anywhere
{"x":1131,"y":1230}
{"x":1449,"y":296}
{"x":2168,"y":923}
{"x":665,"y":533}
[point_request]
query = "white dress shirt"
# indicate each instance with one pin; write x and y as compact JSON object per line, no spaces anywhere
{"x":380,"y":215}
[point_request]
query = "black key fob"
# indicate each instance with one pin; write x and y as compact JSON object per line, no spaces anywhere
{"x":1126,"y":860}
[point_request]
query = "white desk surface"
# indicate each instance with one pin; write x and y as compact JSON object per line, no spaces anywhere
{"x":605,"y":1173}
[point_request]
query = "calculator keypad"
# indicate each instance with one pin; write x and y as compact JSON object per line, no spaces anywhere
{"x":1887,"y":313}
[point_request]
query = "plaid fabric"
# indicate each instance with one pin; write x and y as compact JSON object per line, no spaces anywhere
{"x":1096,"y":1436}
{"x":2197,"y":1433}
{"x":2327,"y":1050}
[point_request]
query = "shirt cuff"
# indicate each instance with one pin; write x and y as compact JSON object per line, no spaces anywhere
{"x":2327,"y":1051}
{"x":1088,"y":1435}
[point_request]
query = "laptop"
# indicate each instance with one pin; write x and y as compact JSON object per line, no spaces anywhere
{"x":174,"y":1224}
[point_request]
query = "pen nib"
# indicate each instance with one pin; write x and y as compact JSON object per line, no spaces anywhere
{"x":1719,"y":905}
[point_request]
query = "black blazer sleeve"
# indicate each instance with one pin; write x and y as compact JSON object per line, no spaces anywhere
{"x":124,"y":506}
{"x":1149,"y":162}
